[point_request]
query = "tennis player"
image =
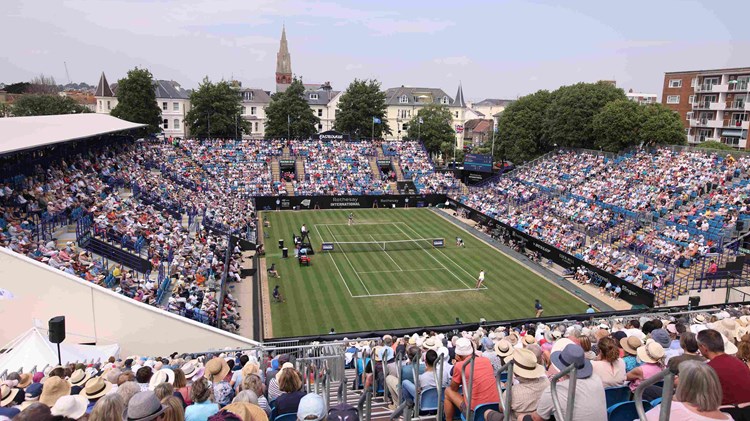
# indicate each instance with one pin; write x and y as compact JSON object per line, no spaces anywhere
{"x":480,"y":280}
{"x":351,"y":218}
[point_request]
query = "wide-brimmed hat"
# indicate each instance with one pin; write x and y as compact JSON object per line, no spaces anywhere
{"x":7,"y":394}
{"x":729,"y":347}
{"x":431,"y":343}
{"x":144,"y":406}
{"x":249,"y":368}
{"x":503,"y":348}
{"x":25,"y":380}
{"x":464,"y":347}
{"x":573,"y":354}
{"x":560,"y":344}
{"x":700,"y":319}
{"x":525,"y":364}
{"x":631,"y":344}
{"x":54,"y":388}
{"x":247,"y":411}
{"x":33,"y":392}
{"x":189,"y":368}
{"x":513,"y":338}
{"x":661,"y":337}
{"x":79,"y":378}
{"x":216,"y":369}
{"x":651,"y":352}
{"x":528,"y":339}
{"x":165,"y":375}
{"x":727,"y":326}
{"x":96,"y":388}
{"x":71,"y":406}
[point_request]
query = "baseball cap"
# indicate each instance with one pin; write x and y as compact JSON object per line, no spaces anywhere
{"x":464,"y":347}
{"x":311,"y":407}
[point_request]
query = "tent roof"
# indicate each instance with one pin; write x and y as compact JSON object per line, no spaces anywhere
{"x":21,"y":133}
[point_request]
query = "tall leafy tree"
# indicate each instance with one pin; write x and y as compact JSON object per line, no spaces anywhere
{"x":288,"y":114}
{"x":32,"y":104}
{"x":357,"y":106}
{"x":215,"y":111}
{"x":570,"y":115}
{"x":520,"y":136}
{"x":17,"y":88}
{"x":618,"y":125}
{"x":435,"y":130}
{"x":662,"y":126}
{"x":136,"y":100}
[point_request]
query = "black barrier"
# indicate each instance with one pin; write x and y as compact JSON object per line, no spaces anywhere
{"x":348,"y":202}
{"x":630,"y":293}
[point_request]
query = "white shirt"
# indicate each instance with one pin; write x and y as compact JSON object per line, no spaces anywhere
{"x":481,"y":276}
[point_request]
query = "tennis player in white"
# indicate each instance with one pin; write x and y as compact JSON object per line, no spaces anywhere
{"x":480,"y":279}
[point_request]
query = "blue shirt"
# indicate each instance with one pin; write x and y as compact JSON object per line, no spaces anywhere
{"x":590,"y":310}
{"x":201,"y":411}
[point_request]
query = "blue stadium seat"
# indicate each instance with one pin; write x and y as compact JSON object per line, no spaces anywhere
{"x":625,"y":411}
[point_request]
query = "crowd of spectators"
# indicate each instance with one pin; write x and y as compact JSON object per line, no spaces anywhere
{"x":337,"y":168}
{"x":416,"y":165}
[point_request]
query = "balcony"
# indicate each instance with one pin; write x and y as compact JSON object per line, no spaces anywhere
{"x":721,"y":87}
{"x":702,"y":105}
{"x":706,"y":122}
{"x":717,"y":106}
{"x":736,"y":105}
{"x":738,"y":86}
{"x":737,"y":124}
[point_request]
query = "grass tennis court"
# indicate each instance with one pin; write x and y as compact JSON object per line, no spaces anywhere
{"x":385,"y":273}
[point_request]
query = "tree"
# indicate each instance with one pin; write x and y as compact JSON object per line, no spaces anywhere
{"x":520,"y":132}
{"x":136,"y":100}
{"x":362,"y":101}
{"x":618,"y":125}
{"x":32,"y":104}
{"x":712,"y":144}
{"x":216,"y":111}
{"x":288,"y":114}
{"x":17,"y":88}
{"x":43,"y":85}
{"x":569,"y":118}
{"x":435,"y":129}
{"x":662,"y":126}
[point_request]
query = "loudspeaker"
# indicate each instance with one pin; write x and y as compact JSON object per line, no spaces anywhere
{"x":694,"y":301}
{"x":57,"y":329}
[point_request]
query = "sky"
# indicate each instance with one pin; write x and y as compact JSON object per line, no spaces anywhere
{"x":496,"y":49}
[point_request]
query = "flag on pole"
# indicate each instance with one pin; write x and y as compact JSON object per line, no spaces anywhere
{"x":375,"y":120}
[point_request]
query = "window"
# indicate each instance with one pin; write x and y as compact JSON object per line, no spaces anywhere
{"x":253,"y":110}
{"x":247,"y":96}
{"x":456,"y":114}
{"x":164,"y":106}
{"x":405,"y":127}
{"x":313,"y":96}
{"x":675,"y":83}
{"x":673,"y":99}
{"x":100,"y":105}
{"x":320,"y":112}
{"x":691,"y":99}
{"x":176,"y":124}
{"x":256,"y":126}
{"x":109,"y":105}
{"x":403,"y":99}
{"x":244,"y":110}
{"x":320,"y":126}
{"x":166,"y":123}
{"x":175,"y":106}
{"x":689,"y":115}
{"x":444,"y":100}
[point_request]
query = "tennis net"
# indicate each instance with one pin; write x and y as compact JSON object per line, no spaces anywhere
{"x":393,"y":245}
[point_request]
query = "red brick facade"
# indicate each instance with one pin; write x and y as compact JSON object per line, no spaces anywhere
{"x":684,"y":92}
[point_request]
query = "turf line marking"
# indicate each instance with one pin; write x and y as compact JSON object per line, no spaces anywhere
{"x":419,"y":292}
{"x":403,"y":270}
{"x":389,"y":256}
{"x":334,"y":264}
{"x":441,"y":252}
{"x":350,"y":262}
{"x":355,"y":224}
{"x":395,"y":224}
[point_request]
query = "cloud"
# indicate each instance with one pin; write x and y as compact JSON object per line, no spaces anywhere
{"x":454,"y":61}
{"x":384,"y":27}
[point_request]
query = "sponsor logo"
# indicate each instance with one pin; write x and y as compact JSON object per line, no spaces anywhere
{"x":438,"y":242}
{"x":305,"y":203}
{"x":344,"y":202}
{"x":327,"y":247}
{"x":332,"y":137}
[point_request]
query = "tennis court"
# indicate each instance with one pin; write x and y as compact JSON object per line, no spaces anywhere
{"x":385,"y":273}
{"x":381,"y":259}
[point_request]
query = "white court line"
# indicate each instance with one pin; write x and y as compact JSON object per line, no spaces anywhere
{"x":389,"y":256}
{"x":350,"y":262}
{"x":357,"y":223}
{"x":434,"y":258}
{"x":440,"y":251}
{"x":417,"y":293}
{"x":334,"y":264}
{"x":402,"y":270}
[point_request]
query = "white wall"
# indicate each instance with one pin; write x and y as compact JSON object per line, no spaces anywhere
{"x":708,"y":297}
{"x":97,"y":315}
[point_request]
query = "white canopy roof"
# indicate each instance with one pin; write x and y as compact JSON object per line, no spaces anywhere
{"x":19,"y":133}
{"x":33,"y":349}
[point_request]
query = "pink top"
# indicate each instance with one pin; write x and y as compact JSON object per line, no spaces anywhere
{"x":649,"y":369}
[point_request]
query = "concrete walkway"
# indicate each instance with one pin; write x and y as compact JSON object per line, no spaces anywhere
{"x":243,"y":293}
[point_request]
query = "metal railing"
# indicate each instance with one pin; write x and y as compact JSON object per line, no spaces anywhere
{"x":468,"y":386}
{"x":505,"y":401}
{"x":561,"y":415}
{"x":666,"y":395}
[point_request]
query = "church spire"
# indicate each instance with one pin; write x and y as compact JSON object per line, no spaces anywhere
{"x":459,"y":101}
{"x":283,"y":64}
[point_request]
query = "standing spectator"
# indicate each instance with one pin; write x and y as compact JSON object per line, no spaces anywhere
{"x":734,"y":375}
{"x":484,"y":388}
{"x":539,"y":309}
{"x":590,"y":401}
{"x":609,"y":366}
{"x":698,"y":395}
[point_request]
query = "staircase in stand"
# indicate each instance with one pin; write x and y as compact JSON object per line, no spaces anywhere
{"x":275,"y":170}
{"x":374,"y":167}
{"x":300,"y":168}
{"x":289,"y":188}
{"x":397,"y":169}
{"x":285,"y":152}
{"x":732,"y":272}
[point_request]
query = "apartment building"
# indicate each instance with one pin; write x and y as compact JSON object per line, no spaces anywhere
{"x":714,"y":104}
